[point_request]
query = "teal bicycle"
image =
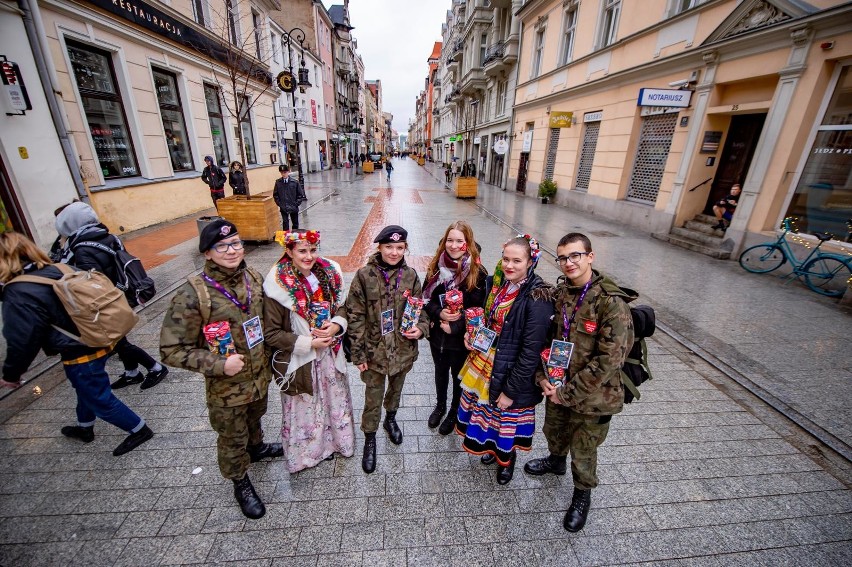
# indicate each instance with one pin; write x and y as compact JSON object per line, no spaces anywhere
{"x":823,"y":272}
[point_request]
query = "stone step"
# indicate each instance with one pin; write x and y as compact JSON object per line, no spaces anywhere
{"x":703,"y":227}
{"x":695,"y":246}
{"x":706,"y":239}
{"x":707,"y":219}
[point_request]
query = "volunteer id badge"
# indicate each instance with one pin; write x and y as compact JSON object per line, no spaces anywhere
{"x":253,"y":332}
{"x":560,"y":354}
{"x":484,"y":339}
{"x":387,"y":322}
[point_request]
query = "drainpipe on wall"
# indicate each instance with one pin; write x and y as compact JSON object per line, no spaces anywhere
{"x":38,"y":43}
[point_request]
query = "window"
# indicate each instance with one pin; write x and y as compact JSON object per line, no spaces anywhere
{"x":174,"y":125}
{"x":501,"y":98}
{"x":255,"y":22}
{"x":217,"y":124}
{"x":198,"y":12}
{"x":233,"y":16}
{"x":569,"y":27}
{"x":245,"y":126}
{"x":483,"y":47}
{"x":273,"y":43}
{"x":679,"y":6}
{"x":104,"y":110}
{"x":538,"y":50}
{"x":609,"y":22}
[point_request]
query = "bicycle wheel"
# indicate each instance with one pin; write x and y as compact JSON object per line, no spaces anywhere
{"x":827,"y":275}
{"x":762,"y":258}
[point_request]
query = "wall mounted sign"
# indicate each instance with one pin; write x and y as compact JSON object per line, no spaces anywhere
{"x":710,"y":145}
{"x":593,"y":116}
{"x":501,"y":147}
{"x":477,"y":140}
{"x":528,"y":138}
{"x":664,"y":97}
{"x":15,"y":97}
{"x":561,"y":119}
{"x":286,"y":81}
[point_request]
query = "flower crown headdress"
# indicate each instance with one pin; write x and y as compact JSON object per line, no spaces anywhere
{"x":285,"y":237}
{"x":535,"y":249}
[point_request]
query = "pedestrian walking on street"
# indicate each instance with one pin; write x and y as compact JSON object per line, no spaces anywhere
{"x":215,"y":179}
{"x":497,"y":411}
{"x":237,"y":178}
{"x":87,"y":243}
{"x":288,"y":195}
{"x":32,"y":319}
{"x":381,"y":350}
{"x":592,"y":314}
{"x":455,"y":266}
{"x":305,"y":321}
{"x":388,"y":168}
{"x":214,"y":326}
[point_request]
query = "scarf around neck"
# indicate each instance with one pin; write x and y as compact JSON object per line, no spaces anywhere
{"x":296,"y":285}
{"x":450,"y":272}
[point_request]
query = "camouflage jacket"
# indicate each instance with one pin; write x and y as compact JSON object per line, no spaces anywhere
{"x":602,"y":334}
{"x":368,"y":297}
{"x":182,"y":342}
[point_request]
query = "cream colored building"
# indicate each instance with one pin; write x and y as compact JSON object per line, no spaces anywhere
{"x":647,"y":112}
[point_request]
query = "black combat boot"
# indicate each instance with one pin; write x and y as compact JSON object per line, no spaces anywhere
{"x":449,"y":423}
{"x":505,"y":474}
{"x":437,"y":414}
{"x":549,"y":464}
{"x":248,"y":499}
{"x":575,"y":517}
{"x":368,"y":461}
{"x":390,"y":425}
{"x":265,"y":451}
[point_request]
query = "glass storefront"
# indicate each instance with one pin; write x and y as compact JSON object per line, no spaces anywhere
{"x":104,"y":110}
{"x":217,"y":125}
{"x":174,"y":125}
{"x":822,"y":201}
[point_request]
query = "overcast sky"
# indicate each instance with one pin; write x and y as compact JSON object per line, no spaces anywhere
{"x":395,"y":37}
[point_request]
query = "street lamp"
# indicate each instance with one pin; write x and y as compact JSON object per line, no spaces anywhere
{"x":303,"y":83}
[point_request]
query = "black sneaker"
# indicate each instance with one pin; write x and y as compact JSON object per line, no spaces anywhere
{"x":153,"y":378}
{"x":124,"y":380}
{"x":133,"y":440}
{"x":84,"y":434}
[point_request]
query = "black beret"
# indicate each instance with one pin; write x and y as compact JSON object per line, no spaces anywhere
{"x":392,"y":233}
{"x":219,"y":229}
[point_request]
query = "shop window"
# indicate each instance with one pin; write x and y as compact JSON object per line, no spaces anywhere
{"x":822,"y":201}
{"x":587,"y":155}
{"x":95,"y":77}
{"x":245,"y":125}
{"x":655,"y":140}
{"x":174,"y":124}
{"x":217,"y":125}
{"x":552,"y":148}
{"x":611,"y":10}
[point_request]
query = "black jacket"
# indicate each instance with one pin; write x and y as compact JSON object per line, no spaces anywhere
{"x":455,"y":340}
{"x":214,"y":177}
{"x":91,"y":258}
{"x":525,"y":333}
{"x":237,"y":181}
{"x":288,"y":194}
{"x":29,"y":310}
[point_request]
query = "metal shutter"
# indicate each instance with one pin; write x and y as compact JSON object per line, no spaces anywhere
{"x":651,"y":155}
{"x":550,"y":164}
{"x":587,"y":155}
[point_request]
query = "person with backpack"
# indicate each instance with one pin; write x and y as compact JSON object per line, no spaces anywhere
{"x":215,"y":179}
{"x":88,"y":245}
{"x":34,"y":319}
{"x":288,"y":195}
{"x":388,"y":167}
{"x":591,"y":314}
{"x":214,"y":326}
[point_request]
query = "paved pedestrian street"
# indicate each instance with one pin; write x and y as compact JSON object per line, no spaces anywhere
{"x":700,"y":471}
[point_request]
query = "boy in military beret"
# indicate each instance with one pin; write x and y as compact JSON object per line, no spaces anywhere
{"x":381,"y":351}
{"x":214,"y":326}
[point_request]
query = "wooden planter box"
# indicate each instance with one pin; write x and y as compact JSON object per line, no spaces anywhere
{"x":368,"y":167}
{"x":466,"y":187}
{"x":421,"y":161}
{"x":257,"y":218}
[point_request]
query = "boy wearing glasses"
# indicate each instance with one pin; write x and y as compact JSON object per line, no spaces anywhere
{"x":214,"y":326}
{"x":592,"y":315}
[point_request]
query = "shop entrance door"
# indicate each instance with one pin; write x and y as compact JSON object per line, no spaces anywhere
{"x":740,"y":144}
{"x":11,"y":215}
{"x":521,"y":187}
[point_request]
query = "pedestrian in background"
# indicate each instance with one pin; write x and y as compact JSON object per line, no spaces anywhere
{"x":86,"y":245}
{"x":288,"y":195}
{"x":32,"y":319}
{"x":381,"y":351}
{"x":388,"y":167}
{"x":592,"y":314}
{"x":237,"y":178}
{"x":724,"y":209}
{"x":213,"y":326}
{"x":455,"y":266}
{"x":215,"y":179}
{"x":499,"y":392}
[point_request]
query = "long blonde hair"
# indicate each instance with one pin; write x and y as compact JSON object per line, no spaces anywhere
{"x":16,"y":251}
{"x":472,"y":250}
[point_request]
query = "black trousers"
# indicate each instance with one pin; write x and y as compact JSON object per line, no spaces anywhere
{"x":448,"y":364}
{"x":132,"y":356}
{"x":288,"y":218}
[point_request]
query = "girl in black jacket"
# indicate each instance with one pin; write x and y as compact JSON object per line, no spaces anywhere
{"x":456,"y":265}
{"x":237,"y":178}
{"x":497,"y":411}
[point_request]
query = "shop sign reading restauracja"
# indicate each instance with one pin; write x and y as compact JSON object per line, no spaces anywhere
{"x":144,"y":15}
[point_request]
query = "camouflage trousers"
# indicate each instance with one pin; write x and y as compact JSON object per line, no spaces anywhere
{"x":238,"y":428}
{"x":375,"y":393}
{"x":567,"y":431}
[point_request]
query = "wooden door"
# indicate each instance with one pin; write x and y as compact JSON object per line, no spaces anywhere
{"x":743,"y":134}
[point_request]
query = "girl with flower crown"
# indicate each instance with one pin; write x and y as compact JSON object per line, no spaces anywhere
{"x":496,"y":415}
{"x":455,"y":266}
{"x":305,"y":320}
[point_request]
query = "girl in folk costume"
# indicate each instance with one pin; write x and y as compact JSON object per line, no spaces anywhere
{"x":456,"y":266}
{"x":497,"y":410}
{"x":383,"y":349}
{"x":305,"y":319}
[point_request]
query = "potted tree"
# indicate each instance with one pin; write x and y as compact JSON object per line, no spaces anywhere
{"x":547,"y":190}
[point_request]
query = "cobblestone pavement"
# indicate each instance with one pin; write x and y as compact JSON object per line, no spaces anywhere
{"x":698,"y":472}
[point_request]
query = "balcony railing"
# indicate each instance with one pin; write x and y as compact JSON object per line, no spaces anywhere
{"x":436,"y":83}
{"x":494,"y":52}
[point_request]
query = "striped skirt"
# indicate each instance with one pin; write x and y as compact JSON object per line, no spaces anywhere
{"x":488,"y":429}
